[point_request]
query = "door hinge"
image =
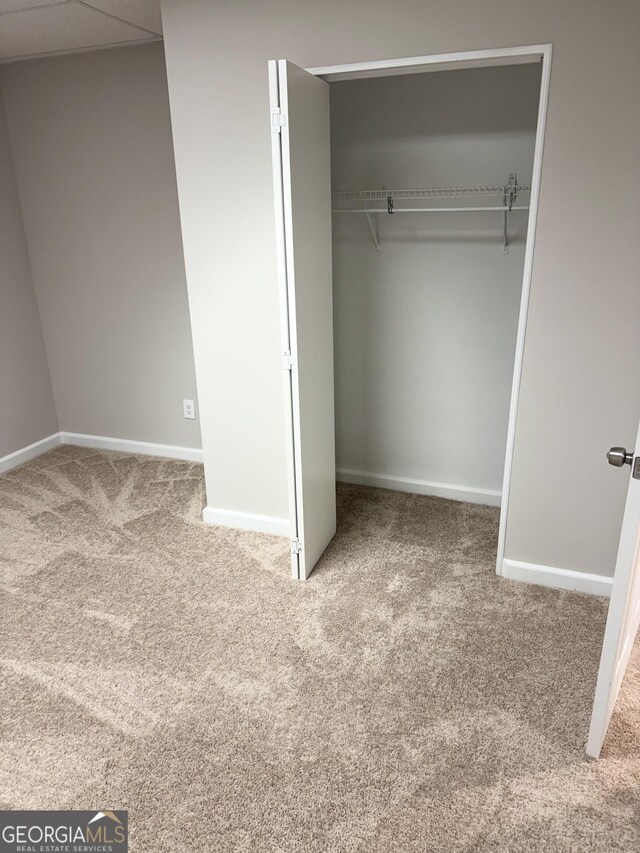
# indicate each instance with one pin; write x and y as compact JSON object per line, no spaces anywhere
{"x":278,"y":120}
{"x":296,"y":546}
{"x":287,"y":360}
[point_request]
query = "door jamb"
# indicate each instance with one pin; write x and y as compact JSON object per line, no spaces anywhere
{"x":478,"y":59}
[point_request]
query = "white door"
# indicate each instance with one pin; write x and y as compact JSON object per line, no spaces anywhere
{"x":624,"y":607}
{"x":302,"y":183}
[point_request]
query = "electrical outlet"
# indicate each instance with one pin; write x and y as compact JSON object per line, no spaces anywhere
{"x":189,"y":407}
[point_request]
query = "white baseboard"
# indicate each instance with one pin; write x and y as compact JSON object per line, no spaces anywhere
{"x":489,"y":497}
{"x":557,"y":578}
{"x":247,"y":521}
{"x":144,"y":448}
{"x":19,"y":457}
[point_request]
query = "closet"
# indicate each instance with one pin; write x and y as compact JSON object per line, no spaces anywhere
{"x":402,"y":285}
{"x":431,"y":179}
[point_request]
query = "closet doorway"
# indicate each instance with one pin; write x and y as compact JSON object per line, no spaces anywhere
{"x":431,"y":181}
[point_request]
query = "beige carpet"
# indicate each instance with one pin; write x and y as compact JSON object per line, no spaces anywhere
{"x":403,"y":699}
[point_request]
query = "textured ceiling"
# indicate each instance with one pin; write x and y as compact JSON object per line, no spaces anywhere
{"x":39,"y":28}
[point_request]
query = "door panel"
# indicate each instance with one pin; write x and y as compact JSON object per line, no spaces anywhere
{"x":624,"y":613}
{"x":302,"y":182}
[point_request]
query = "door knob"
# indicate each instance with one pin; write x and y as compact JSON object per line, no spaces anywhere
{"x":618,"y":457}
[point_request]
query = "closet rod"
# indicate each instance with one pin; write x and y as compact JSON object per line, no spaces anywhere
{"x":508,"y":191}
{"x":495,"y":190}
{"x":369,"y":210}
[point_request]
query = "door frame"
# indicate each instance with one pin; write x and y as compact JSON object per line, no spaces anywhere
{"x":481,"y":59}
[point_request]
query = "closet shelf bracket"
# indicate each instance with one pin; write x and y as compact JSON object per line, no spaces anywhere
{"x":374,"y":233}
{"x":508,"y":199}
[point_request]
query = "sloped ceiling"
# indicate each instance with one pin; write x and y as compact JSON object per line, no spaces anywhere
{"x":30,"y":28}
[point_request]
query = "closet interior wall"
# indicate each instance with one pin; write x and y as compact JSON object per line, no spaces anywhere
{"x":425,"y":330}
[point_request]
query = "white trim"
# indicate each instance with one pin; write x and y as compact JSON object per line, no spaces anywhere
{"x":100,"y":442}
{"x":144,"y":448}
{"x":434,"y":62}
{"x":524,"y":301}
{"x":468,"y":494}
{"x":19,"y":457}
{"x":557,"y":578}
{"x":246,"y":521}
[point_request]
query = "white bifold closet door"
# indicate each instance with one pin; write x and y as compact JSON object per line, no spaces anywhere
{"x":302,"y":184}
{"x":624,"y":612}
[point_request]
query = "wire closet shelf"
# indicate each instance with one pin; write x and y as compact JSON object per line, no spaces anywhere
{"x":430,"y":192}
{"x":507,"y":192}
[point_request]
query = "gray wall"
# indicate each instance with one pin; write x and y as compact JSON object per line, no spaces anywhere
{"x":579,"y":387}
{"x":27,"y":411}
{"x":94,"y":161}
{"x":425,"y":331}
